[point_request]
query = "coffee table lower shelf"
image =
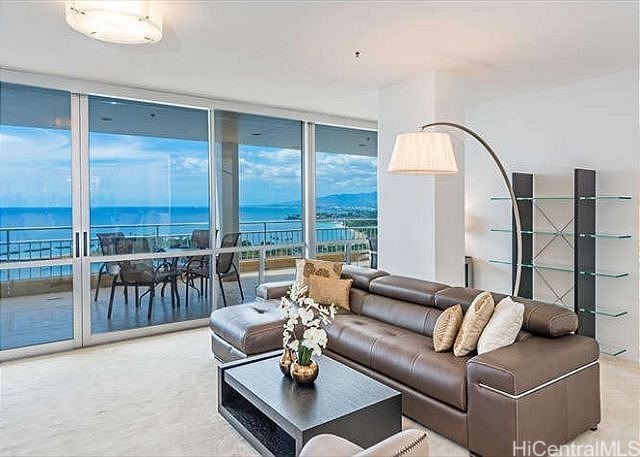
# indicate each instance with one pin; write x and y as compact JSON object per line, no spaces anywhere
{"x":256,"y":427}
{"x":267,"y":409}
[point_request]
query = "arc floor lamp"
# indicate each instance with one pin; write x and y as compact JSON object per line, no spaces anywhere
{"x":430,"y":153}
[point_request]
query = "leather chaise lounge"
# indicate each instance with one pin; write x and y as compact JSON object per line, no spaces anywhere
{"x":543,"y":388}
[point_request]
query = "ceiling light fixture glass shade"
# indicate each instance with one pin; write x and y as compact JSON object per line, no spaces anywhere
{"x":423,"y":153}
{"x":124,"y":22}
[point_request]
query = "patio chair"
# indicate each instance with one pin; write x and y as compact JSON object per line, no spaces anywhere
{"x":225,"y":267}
{"x":198,"y":267}
{"x":373,"y":251}
{"x":142,"y":273}
{"x":108,"y":242}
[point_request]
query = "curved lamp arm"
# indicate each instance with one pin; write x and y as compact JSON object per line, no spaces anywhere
{"x":507,"y":182}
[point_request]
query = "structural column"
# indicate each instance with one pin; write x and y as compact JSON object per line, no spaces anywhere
{"x":229,"y":182}
{"x":421,"y":218}
{"x":309,"y":189}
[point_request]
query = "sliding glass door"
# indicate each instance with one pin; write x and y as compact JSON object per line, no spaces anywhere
{"x":104,"y":218}
{"x":37,"y":219}
{"x":148,"y":212}
{"x":346,"y":195}
{"x":108,"y":224}
{"x":259,"y":202}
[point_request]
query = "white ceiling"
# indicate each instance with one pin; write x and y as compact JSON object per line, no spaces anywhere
{"x":300,"y":55}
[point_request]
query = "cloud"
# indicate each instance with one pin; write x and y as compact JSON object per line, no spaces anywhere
{"x":124,"y":169}
{"x":278,"y":166}
{"x":342,"y":173}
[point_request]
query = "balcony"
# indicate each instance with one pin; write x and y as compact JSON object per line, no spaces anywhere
{"x":36,"y":303}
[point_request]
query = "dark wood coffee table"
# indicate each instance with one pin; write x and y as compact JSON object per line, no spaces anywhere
{"x":278,"y":417}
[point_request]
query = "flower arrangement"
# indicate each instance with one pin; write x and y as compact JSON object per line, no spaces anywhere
{"x":300,"y":309}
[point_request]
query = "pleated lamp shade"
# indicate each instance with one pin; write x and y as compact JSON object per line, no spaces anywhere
{"x":423,"y":153}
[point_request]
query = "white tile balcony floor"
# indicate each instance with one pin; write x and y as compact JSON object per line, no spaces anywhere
{"x":42,"y":318}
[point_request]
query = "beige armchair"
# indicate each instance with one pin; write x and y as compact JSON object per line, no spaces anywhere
{"x":408,"y":443}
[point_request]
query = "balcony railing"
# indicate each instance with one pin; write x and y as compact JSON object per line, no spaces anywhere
{"x":271,"y":239}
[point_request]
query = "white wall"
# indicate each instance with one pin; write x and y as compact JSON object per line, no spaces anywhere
{"x":420,"y":217}
{"x":588,"y":124}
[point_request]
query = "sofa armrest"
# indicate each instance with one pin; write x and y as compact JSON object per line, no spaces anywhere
{"x":539,"y":390}
{"x":273,"y":290}
{"x":531,"y":363}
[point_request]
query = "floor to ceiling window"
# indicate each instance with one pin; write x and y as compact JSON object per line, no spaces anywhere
{"x":346,"y":194}
{"x":36,"y":300}
{"x":148,"y":193}
{"x":105,"y":212}
{"x":259,"y":201}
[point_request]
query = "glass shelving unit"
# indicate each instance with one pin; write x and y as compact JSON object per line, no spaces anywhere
{"x":581,"y":235}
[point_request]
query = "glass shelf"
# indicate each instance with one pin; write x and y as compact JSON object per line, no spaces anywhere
{"x":528,"y":199}
{"x":604,"y":235}
{"x":607,"y":197}
{"x":568,"y":197}
{"x":538,"y":266}
{"x":531,"y":232}
{"x":565,"y":233}
{"x":605,"y":274}
{"x":600,"y":311}
{"x":611,"y":350}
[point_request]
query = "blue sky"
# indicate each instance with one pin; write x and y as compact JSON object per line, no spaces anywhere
{"x":134,"y":171}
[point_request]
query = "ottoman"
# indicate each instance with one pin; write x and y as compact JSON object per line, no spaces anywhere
{"x":251,"y":328}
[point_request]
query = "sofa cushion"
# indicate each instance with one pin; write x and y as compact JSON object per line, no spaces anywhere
{"x":539,"y":318}
{"x":252,"y":328}
{"x":357,"y":297}
{"x":406,"y":289}
{"x":417,"y":318}
{"x":462,"y":296}
{"x":405,"y":356}
{"x":361,"y":276}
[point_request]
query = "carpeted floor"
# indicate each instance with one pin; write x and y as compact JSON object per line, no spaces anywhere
{"x":157,"y":397}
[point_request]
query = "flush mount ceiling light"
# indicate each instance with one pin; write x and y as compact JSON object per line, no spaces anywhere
{"x":124,"y":22}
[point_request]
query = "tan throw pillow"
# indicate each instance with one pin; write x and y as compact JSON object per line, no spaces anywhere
{"x":473,"y":323}
{"x":503,"y":327}
{"x":446,"y":329}
{"x":305,"y":268}
{"x":327,"y":291}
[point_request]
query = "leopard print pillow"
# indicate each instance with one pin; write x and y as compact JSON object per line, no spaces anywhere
{"x":305,"y":268}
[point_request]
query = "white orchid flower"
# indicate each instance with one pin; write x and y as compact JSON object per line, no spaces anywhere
{"x":306,"y":316}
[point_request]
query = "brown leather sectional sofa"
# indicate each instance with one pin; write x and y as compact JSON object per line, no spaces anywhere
{"x":545,"y":387}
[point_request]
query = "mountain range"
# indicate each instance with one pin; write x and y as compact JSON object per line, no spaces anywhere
{"x":360,"y":200}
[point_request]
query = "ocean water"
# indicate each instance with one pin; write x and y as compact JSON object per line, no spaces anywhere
{"x":44,"y":233}
{"x":54,"y":223}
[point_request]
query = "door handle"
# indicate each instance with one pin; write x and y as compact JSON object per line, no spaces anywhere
{"x":85,"y":243}
{"x":77,"y":244}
